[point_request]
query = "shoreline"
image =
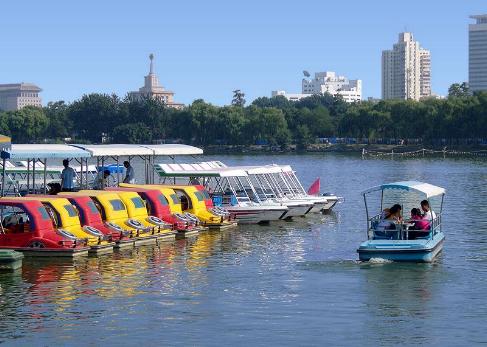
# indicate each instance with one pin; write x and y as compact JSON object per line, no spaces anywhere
{"x":340,"y":148}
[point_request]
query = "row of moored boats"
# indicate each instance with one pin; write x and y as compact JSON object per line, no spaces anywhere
{"x":189,"y":199}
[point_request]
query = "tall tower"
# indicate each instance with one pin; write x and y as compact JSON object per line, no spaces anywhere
{"x":401,"y":69}
{"x":477,"y":53}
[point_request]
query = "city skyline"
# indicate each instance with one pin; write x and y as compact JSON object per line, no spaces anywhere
{"x":104,"y":47}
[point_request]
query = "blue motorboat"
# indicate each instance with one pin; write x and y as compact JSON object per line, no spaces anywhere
{"x":398,"y":239}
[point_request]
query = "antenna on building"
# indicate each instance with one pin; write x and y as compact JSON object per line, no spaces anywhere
{"x":151,"y":57}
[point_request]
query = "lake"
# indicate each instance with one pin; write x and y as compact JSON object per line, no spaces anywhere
{"x":287,"y":283}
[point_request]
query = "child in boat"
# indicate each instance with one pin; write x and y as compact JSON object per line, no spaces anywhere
{"x":421,"y":225}
{"x":420,"y":222}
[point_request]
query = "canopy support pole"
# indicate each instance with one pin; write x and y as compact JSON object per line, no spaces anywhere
{"x":118,"y":172}
{"x":367,"y":214}
{"x":45,"y":175}
{"x":3,"y":177}
{"x":81,"y":173}
{"x":34,"y":175}
{"x":103,"y":173}
{"x":28,"y":175}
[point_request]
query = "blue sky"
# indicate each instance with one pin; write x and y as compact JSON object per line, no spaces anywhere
{"x":206,"y":49}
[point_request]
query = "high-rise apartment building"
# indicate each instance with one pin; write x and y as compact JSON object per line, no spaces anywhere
{"x":406,"y":70}
{"x":14,"y":96}
{"x":477,"y":53}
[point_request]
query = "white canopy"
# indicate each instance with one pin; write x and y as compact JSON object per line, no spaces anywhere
{"x":427,"y":189}
{"x":174,"y":149}
{"x":191,"y":170}
{"x":42,"y":151}
{"x":115,"y":150}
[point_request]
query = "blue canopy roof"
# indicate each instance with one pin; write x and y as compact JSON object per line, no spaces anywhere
{"x":427,"y":189}
{"x":43,"y":151}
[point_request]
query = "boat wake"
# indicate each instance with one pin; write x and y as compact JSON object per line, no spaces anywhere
{"x":379,"y":261}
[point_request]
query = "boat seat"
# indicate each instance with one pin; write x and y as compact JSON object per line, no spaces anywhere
{"x":386,"y":234}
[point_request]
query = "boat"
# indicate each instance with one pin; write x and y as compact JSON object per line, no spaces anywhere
{"x":90,"y":217}
{"x":115,"y":215}
{"x":138,"y":215}
{"x":164,"y":204}
{"x":26,"y":227}
{"x":193,"y":206}
{"x":64,"y":216}
{"x":399,"y":241}
{"x":277,"y":183}
{"x":229,"y":188}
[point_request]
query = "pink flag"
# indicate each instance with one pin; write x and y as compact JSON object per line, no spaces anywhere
{"x":314,"y":189}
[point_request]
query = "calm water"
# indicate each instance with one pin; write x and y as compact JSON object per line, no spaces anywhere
{"x":289,"y":283}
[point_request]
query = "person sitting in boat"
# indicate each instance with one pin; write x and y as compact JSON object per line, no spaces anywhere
{"x":421,"y":225}
{"x":427,"y":212}
{"x":391,"y":218}
{"x":420,"y":222}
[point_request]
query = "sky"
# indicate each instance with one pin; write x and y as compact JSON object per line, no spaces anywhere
{"x":207,"y":49}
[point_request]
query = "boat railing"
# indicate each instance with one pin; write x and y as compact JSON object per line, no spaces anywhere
{"x":373,"y":231}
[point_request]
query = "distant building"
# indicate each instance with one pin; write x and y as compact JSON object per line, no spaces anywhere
{"x":406,"y":70}
{"x":290,"y":97}
{"x":17,"y":95}
{"x":424,"y":73}
{"x":477,"y":53}
{"x":327,"y":82}
{"x":153,"y":89}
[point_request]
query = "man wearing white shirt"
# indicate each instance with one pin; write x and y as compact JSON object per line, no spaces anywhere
{"x":427,"y":212}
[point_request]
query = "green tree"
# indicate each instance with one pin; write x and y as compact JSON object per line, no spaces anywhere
{"x":96,"y":115}
{"x":60,"y":125}
{"x":132,"y":133}
{"x":238,"y":98}
{"x":459,"y":90}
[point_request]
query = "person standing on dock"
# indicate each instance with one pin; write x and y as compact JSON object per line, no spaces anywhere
{"x":67,"y":177}
{"x":129,"y":173}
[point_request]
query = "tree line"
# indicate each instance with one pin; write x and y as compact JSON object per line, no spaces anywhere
{"x":275,"y":121}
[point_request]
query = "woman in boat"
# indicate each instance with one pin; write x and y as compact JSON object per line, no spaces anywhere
{"x":392,"y":216}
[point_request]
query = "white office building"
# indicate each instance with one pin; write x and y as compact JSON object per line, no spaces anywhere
{"x":406,"y":70}
{"x":477,"y":53}
{"x":329,"y":82}
{"x":14,"y":96}
{"x":326,"y":82}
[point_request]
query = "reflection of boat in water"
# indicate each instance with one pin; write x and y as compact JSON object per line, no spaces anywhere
{"x":400,"y":241}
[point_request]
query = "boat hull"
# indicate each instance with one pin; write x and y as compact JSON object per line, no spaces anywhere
{"x":65,"y":253}
{"x":297,"y":210}
{"x":422,"y":251}
{"x":257,"y":215}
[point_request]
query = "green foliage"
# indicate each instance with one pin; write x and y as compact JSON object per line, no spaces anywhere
{"x":273,"y":121}
{"x":26,"y":125}
{"x":458,"y":90}
{"x":132,"y":133}
{"x":238,"y":98}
